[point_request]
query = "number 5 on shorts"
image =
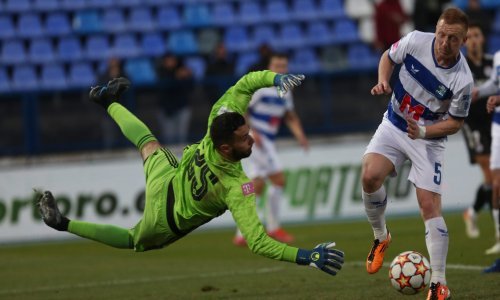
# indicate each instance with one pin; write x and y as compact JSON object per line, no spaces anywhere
{"x":437,"y":173}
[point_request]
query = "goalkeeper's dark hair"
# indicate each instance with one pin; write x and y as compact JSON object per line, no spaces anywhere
{"x":223,"y":128}
{"x":279,"y":55}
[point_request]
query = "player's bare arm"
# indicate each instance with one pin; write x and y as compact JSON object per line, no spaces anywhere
{"x":493,"y":101}
{"x":440,"y":129}
{"x":385,"y":68}
{"x":292,"y":120}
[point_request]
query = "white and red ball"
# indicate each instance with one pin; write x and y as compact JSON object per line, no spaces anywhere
{"x":410,"y":272}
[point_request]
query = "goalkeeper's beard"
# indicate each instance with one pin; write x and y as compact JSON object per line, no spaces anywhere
{"x":238,"y":155}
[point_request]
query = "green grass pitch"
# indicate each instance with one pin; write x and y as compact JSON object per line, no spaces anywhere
{"x":206,"y":265}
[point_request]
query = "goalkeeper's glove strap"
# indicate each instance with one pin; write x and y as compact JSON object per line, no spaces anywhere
{"x":303,"y":257}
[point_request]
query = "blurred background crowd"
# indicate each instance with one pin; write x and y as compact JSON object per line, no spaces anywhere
{"x":181,"y":55}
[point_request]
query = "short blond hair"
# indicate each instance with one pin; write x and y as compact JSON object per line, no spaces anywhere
{"x":455,"y":15}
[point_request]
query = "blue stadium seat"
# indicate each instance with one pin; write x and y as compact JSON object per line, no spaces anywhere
{"x":264,"y":34}
{"x":493,"y":43}
{"x":141,"y":19}
{"x":46,"y":5}
{"x":13,"y":52}
{"x":57,"y":24}
{"x":245,"y":61}
{"x":223,"y":14}
{"x":277,"y":11}
{"x":81,"y":75}
{"x":197,"y":65}
{"x":17,"y":6}
{"x":236,"y":39}
{"x":53,"y":77}
{"x":97,"y":48}
{"x":304,"y":61}
{"x":168,"y":18}
{"x":125,"y":46}
{"x":128,"y":2}
{"x":100,"y":3}
{"x":291,"y":35}
{"x":41,"y":51}
{"x":197,"y":15}
{"x":69,"y":49}
{"x":4,"y":80}
{"x":87,"y":21}
{"x":182,"y":42}
{"x":345,"y":31}
{"x":319,"y":33}
{"x":250,"y":12}
{"x":332,"y":9}
{"x":360,"y":56}
{"x":496,"y":23}
{"x":113,"y":20}
{"x":153,"y":44}
{"x":140,"y":71}
{"x":24,"y":78}
{"x":29,"y":25}
{"x":304,"y":10}
{"x":73,"y":5}
{"x":8,"y":28}
{"x":208,"y":40}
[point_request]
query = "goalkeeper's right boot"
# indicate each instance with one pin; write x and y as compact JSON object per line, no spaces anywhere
{"x":104,"y":95}
{"x":438,"y":291}
{"x":375,"y":258}
{"x":50,"y":212}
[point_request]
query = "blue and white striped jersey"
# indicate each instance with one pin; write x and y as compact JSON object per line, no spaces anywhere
{"x":424,"y":88}
{"x":267,"y":109}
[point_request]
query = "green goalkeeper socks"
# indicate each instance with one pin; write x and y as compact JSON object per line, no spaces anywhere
{"x":133,"y":128}
{"x":107,"y":234}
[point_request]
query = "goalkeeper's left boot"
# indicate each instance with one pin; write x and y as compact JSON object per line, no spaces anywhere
{"x":50,"y":212}
{"x":104,"y":95}
{"x":375,"y":258}
{"x":281,"y":235}
{"x":438,"y":291}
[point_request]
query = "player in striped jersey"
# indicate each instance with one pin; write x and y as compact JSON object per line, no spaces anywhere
{"x":430,"y":100}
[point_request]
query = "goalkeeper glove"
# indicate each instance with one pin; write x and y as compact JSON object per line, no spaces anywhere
{"x":285,"y":82}
{"x":323,"y":257}
{"x":104,"y":95}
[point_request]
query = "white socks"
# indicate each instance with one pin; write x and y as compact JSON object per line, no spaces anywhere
{"x":275,"y":196}
{"x":495,"y":214}
{"x":375,"y":204}
{"x":436,"y":239}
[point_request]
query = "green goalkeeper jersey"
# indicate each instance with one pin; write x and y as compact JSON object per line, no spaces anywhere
{"x":206,"y":184}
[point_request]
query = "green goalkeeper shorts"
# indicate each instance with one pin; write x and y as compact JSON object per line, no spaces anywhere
{"x":152,"y":231}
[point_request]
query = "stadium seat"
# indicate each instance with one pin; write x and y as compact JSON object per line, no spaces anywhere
{"x":141,"y":19}
{"x":16,"y":6}
{"x":41,"y":51}
{"x":250,"y":12}
{"x":207,"y":40}
{"x":45,"y":5}
{"x":331,"y":9}
{"x":182,"y":42}
{"x":290,"y":36}
{"x":236,"y":39}
{"x":496,"y":23}
{"x":333,"y":59}
{"x":197,"y":15}
{"x":223,"y":14}
{"x":29,"y":26}
{"x":140,"y":71}
{"x":97,"y":48}
{"x":53,"y":77}
{"x":493,"y":43}
{"x":367,"y":30}
{"x":345,"y":31}
{"x":24,"y":78}
{"x":81,"y":75}
{"x":360,"y":56}
{"x":197,"y":65}
{"x":100,"y":3}
{"x":169,"y":18}
{"x":128,"y":3}
{"x":4,"y":81}
{"x":264,"y":34}
{"x":69,"y":49}
{"x":8,"y":28}
{"x":277,"y":11}
{"x":319,"y":33}
{"x":153,"y":44}
{"x":57,"y":24}
{"x":245,"y":61}
{"x":304,"y":10}
{"x":73,"y":5}
{"x":13,"y":52}
{"x":87,"y":21}
{"x":113,"y":20}
{"x":125,"y":46}
{"x":304,"y":61}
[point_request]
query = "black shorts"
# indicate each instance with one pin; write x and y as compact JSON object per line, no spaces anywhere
{"x":477,"y":131}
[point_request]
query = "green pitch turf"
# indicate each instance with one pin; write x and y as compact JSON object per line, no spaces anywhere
{"x":206,"y":265}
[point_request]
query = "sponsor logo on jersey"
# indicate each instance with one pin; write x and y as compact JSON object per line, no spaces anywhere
{"x":414,"y":70}
{"x":247,"y":188}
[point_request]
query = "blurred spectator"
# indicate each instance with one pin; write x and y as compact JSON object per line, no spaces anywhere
{"x":265,"y":53}
{"x":426,"y":13}
{"x":389,"y":17}
{"x":176,"y":82}
{"x":114,"y":69}
{"x":480,"y":16}
{"x":220,"y":64}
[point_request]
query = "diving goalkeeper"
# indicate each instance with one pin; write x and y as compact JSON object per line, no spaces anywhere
{"x":181,"y":196}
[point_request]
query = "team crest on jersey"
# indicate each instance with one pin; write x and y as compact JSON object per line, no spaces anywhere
{"x":247,"y":188}
{"x":441,"y":90}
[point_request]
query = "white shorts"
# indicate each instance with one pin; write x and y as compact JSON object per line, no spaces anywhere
{"x":263,"y":161}
{"x":426,"y":156}
{"x":495,"y":146}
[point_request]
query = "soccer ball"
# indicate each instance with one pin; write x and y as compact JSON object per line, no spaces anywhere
{"x":410,"y":272}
